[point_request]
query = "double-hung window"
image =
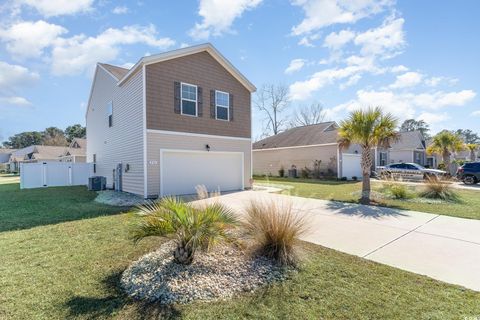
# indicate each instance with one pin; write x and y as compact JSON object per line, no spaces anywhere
{"x":222,"y":102}
{"x":110,"y":113}
{"x":189,"y":99}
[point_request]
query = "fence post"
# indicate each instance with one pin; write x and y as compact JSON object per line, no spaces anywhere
{"x":44,"y":172}
{"x":70,"y":178}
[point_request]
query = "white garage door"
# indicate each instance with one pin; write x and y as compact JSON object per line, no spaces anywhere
{"x":351,"y":165}
{"x":181,"y":171}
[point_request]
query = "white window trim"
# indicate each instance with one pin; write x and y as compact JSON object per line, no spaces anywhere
{"x":182,"y":98}
{"x":217,"y":105}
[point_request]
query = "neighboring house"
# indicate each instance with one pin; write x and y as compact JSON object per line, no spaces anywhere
{"x":173,"y":121}
{"x":5,"y":158}
{"x":410,"y":147}
{"x":306,"y":147}
{"x":35,"y":153}
{"x":76,"y":151}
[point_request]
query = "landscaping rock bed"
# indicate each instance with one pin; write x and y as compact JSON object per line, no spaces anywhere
{"x":218,"y":274}
{"x":118,"y":198}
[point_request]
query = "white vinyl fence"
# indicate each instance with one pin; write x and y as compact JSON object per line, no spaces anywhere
{"x":54,"y":174}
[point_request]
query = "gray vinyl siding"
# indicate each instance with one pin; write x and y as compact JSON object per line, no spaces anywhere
{"x":123,"y":142}
{"x":158,"y":140}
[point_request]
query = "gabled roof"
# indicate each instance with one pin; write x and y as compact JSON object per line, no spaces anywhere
{"x":410,"y":140}
{"x":6,"y":150}
{"x":321,"y":133}
{"x":116,"y":71}
{"x":76,"y":148}
{"x":206,"y":47}
{"x":48,"y":152}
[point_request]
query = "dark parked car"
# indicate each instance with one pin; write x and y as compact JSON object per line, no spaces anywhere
{"x":469,"y":173}
{"x":409,"y":171}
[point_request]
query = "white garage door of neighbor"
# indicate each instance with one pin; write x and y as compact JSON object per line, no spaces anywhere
{"x":351,"y":166}
{"x":181,"y":171}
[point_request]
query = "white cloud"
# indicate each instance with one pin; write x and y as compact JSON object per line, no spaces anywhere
{"x":322,"y":13}
{"x":335,"y":41}
{"x":295,"y":65}
{"x":127,"y":65}
{"x":433,"y":118}
{"x":29,"y":39}
{"x":399,"y":68}
{"x":476,"y":113}
{"x":120,"y":10}
{"x":15,"y":101}
{"x":51,"y":8}
{"x":302,"y":90}
{"x":385,"y":41}
{"x":440,"y":99}
{"x":406,"y":105}
{"x":408,"y":79}
{"x":13,"y":77}
{"x":307,"y":41}
{"x":80,"y":53}
{"x":219,"y":15}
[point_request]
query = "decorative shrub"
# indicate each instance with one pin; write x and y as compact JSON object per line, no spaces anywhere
{"x":191,"y":227}
{"x":354,"y":178}
{"x":396,"y":190}
{"x":343,"y":179}
{"x":316,"y":169}
{"x":281,"y":172}
{"x":437,"y":189}
{"x":306,"y":173}
{"x":275,"y":228}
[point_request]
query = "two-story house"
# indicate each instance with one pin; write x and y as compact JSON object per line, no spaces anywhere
{"x":173,"y":121}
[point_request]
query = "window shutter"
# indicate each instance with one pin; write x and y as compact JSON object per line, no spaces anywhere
{"x":200,"y":102}
{"x":230,"y":100}
{"x":212,"y":104}
{"x":176,"y":97}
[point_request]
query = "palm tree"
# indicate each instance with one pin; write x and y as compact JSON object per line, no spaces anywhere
{"x":369,"y":128}
{"x":192,"y":227}
{"x":445,"y":143}
{"x":472,"y":147}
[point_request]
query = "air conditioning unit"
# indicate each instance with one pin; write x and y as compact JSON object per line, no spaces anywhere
{"x":97,"y":183}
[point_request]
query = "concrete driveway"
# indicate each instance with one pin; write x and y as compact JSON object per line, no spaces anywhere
{"x":441,"y":247}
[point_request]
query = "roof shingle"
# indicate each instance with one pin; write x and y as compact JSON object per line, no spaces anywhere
{"x":321,"y":133}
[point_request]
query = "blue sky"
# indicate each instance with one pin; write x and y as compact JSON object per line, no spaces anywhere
{"x":415,"y":59}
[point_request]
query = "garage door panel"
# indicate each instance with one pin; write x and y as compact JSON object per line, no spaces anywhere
{"x":181,"y":171}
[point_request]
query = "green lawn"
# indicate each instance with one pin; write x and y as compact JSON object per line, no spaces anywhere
{"x":68,"y":267}
{"x":467,"y":207}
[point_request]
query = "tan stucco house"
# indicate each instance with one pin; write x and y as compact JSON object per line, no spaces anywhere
{"x":173,"y":121}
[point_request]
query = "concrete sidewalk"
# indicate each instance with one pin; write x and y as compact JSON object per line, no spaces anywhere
{"x":441,"y":247}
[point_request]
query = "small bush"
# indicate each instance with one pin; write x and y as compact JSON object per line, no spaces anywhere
{"x":396,"y":190}
{"x":275,"y":229}
{"x":354,"y":178}
{"x":306,"y":173}
{"x":281,"y":172}
{"x":343,"y":179}
{"x":436,"y":189}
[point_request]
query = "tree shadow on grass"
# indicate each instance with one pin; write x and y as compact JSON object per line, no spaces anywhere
{"x":364,"y":211}
{"x":117,"y":301}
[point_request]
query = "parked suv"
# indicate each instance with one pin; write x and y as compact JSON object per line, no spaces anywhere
{"x":409,"y":171}
{"x":469,"y":173}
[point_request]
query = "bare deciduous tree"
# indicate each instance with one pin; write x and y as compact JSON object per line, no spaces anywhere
{"x":305,"y":116}
{"x":272,"y":100}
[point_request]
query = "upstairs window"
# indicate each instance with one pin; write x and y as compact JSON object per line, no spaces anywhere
{"x":110,"y":113}
{"x":189,"y":99}
{"x":222,"y":105}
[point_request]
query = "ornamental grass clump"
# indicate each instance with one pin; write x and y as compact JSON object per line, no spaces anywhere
{"x":191,"y":227}
{"x":437,"y":189}
{"x":396,"y":190}
{"x":275,"y":229}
